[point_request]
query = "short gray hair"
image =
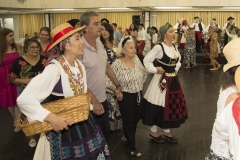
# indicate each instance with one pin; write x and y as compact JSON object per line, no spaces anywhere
{"x":85,"y":18}
{"x":119,"y":52}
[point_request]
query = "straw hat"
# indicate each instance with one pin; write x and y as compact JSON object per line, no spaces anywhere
{"x":232,"y":53}
{"x":237,"y":77}
{"x":61,"y":32}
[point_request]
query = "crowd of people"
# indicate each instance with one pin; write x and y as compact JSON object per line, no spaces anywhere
{"x":131,"y":74}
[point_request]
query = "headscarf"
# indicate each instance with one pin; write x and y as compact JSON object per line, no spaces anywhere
{"x":163,"y":29}
{"x":73,"y":22}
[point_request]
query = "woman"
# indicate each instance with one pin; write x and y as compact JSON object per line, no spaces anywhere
{"x":134,"y":33}
{"x":164,"y":102}
{"x":66,"y":141}
{"x":219,"y":149}
{"x":233,"y":32}
{"x":189,"y":48}
{"x":214,"y":48}
{"x":9,"y":51}
{"x":183,"y":38}
{"x":44,"y":36}
{"x":106,"y":38}
{"x":26,"y":67}
{"x":131,"y":75}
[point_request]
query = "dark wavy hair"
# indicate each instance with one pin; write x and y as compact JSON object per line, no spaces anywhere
{"x":28,"y":42}
{"x":134,"y":28}
{"x":109,"y":28}
{"x":227,"y":78}
{"x":3,"y":47}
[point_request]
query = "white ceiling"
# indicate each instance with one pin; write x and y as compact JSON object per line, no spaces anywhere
{"x":75,"y":10}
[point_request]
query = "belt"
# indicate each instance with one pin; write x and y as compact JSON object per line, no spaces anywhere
{"x":170,"y":74}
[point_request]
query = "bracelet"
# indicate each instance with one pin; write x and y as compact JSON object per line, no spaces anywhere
{"x":118,"y":85}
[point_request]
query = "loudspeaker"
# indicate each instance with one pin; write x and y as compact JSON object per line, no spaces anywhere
{"x":136,"y":20}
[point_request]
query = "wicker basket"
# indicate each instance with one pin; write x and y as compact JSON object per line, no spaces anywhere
{"x":75,"y":109}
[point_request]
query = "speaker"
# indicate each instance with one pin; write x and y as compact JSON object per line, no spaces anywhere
{"x":136,"y":20}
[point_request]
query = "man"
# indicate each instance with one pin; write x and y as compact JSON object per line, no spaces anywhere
{"x":36,"y":35}
{"x":141,"y":40}
{"x":203,"y":29}
{"x":95,"y":61}
{"x":117,"y":35}
{"x":198,"y":33}
{"x":228,"y":24}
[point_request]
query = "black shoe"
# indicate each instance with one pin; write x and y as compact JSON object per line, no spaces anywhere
{"x":170,"y":139}
{"x":159,"y":139}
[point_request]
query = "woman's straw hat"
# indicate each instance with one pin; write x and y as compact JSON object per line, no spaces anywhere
{"x":232,"y":53}
{"x":237,"y":77}
{"x":60,"y":33}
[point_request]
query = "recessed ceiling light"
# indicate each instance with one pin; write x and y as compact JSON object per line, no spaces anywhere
{"x":113,"y":8}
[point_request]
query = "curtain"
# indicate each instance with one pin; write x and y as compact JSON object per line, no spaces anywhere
{"x":30,"y":23}
{"x":123,"y":19}
{"x":173,"y":17}
{"x":60,"y":18}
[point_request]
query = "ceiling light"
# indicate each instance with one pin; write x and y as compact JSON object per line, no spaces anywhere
{"x":60,"y":9}
{"x":164,"y":7}
{"x":113,"y":8}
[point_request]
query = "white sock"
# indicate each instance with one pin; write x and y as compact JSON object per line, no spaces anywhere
{"x":154,"y":128}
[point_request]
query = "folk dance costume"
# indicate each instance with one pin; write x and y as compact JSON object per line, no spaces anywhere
{"x":183,"y":38}
{"x":219,"y":148}
{"x":141,"y":42}
{"x":164,"y":102}
{"x":198,"y":34}
{"x":83,"y":140}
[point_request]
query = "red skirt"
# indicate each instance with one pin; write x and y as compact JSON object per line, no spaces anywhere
{"x":140,"y":49}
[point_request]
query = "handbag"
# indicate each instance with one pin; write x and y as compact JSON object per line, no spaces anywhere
{"x":75,"y":109}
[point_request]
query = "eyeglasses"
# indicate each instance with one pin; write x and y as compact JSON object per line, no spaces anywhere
{"x":32,"y":47}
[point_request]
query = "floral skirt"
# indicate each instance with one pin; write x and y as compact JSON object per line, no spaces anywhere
{"x":115,"y":118}
{"x":213,"y":156}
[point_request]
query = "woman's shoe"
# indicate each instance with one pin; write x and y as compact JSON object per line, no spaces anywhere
{"x":133,"y":153}
{"x":158,"y":139}
{"x":124,"y":140}
{"x":17,"y":129}
{"x":170,"y":139}
{"x":213,"y":69}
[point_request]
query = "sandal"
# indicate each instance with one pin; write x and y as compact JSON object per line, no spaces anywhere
{"x":134,"y":153}
{"x":187,"y":67}
{"x":124,"y":140}
{"x":158,"y":139}
{"x":170,"y":139}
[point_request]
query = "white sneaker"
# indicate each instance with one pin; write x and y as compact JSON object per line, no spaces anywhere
{"x":32,"y":142}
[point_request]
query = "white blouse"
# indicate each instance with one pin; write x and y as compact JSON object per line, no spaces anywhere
{"x":41,"y":86}
{"x":219,"y":146}
{"x":228,"y":131}
{"x":157,"y":52}
{"x":130,"y":79}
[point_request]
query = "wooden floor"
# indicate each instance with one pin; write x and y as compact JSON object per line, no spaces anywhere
{"x":201,"y":89}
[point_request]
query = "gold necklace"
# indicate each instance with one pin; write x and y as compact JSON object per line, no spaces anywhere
{"x":175,"y":56}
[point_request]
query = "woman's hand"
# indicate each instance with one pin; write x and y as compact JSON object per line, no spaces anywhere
{"x":26,"y":81}
{"x":160,"y":70}
{"x":58,"y":123}
{"x":119,"y":95}
{"x":97,"y":108}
